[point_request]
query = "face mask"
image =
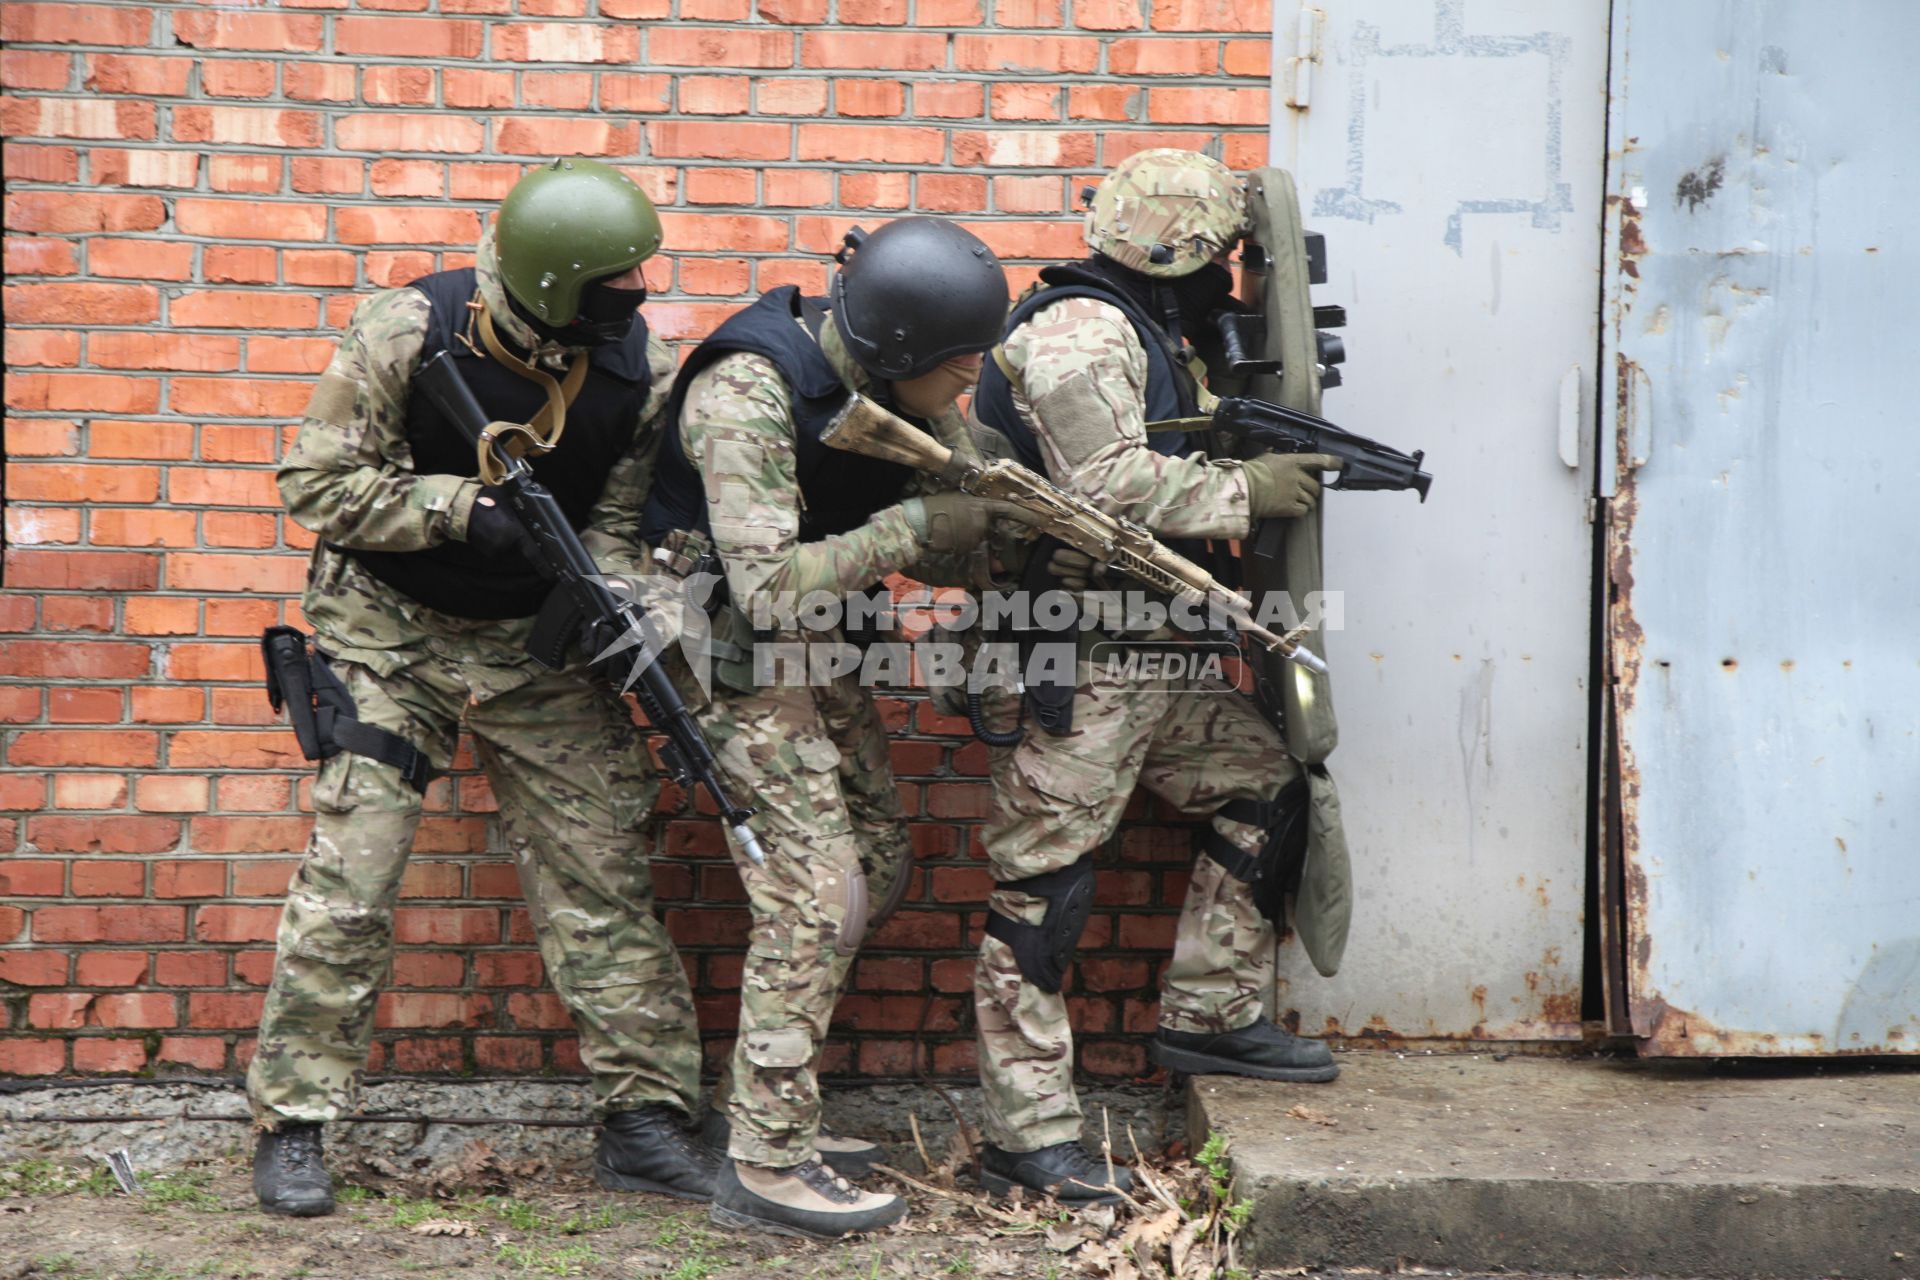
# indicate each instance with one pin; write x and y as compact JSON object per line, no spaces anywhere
{"x":1202,"y":293}
{"x":606,"y":312}
{"x":606,"y":315}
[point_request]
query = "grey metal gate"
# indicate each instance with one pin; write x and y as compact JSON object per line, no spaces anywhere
{"x":1764,"y":468}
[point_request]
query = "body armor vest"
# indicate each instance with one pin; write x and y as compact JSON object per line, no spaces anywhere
{"x":838,"y":490}
{"x":455,"y":577}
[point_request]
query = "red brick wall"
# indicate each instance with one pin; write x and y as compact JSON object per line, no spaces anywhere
{"x":196,"y":198}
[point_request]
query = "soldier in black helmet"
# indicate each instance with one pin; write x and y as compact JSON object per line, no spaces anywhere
{"x":422,"y":605}
{"x":743,"y":472}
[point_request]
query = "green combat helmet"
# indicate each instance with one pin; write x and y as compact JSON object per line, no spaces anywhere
{"x":1167,"y":212}
{"x":564,"y":226}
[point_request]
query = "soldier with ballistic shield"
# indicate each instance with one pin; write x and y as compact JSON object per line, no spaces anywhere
{"x":423,"y":606}
{"x":1089,"y":359}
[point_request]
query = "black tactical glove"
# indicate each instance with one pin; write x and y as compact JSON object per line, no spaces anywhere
{"x":491,"y":526}
{"x":1073,"y":568}
{"x":1284,"y":485}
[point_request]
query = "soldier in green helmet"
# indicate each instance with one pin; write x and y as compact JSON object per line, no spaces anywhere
{"x":1089,"y":358}
{"x":423,"y":605}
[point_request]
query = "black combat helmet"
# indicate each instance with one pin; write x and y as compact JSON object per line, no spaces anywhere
{"x":914,"y":293}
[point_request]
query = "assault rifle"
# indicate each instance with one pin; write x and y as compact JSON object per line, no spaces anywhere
{"x":864,"y":427}
{"x":584,"y":600}
{"x":1369,"y":464}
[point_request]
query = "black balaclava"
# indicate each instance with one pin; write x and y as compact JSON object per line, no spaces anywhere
{"x":1201,"y":293}
{"x":1184,"y":304}
{"x":606,"y":315}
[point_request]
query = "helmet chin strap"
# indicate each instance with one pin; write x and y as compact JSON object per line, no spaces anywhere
{"x":1167,"y":301}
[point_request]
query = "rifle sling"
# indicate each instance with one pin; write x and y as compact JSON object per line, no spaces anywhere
{"x":542,"y":433}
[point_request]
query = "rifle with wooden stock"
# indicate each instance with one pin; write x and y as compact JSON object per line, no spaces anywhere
{"x":865,"y":428}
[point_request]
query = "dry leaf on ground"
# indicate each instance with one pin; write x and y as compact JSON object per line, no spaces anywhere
{"x":1144,"y":1236}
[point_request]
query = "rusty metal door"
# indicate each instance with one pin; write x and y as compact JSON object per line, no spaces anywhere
{"x":1764,"y":271}
{"x":1452,"y":153}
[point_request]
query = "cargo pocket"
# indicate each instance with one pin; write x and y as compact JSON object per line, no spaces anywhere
{"x":333,"y":785}
{"x":384,"y":663}
{"x":781,"y":1047}
{"x":821,"y":811}
{"x":1053,"y":777}
{"x":338,"y":934}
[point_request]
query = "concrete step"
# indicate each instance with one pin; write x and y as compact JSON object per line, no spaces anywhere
{"x":1584,"y":1166}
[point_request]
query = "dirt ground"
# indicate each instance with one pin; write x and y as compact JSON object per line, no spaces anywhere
{"x":201,"y":1222}
{"x":474,"y":1212}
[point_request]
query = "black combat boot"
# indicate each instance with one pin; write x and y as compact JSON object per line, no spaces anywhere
{"x":652,"y":1149}
{"x":290,"y":1172}
{"x":848,"y":1157}
{"x":1261,"y":1050}
{"x":807,"y":1200}
{"x":1065,"y":1171}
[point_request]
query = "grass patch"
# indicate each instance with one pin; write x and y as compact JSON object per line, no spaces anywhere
{"x":518,"y":1214}
{"x":605,"y":1218}
{"x":693,"y":1244}
{"x":147,"y":1266}
{"x":698,"y":1266}
{"x":411,"y":1213}
{"x":187,"y":1187}
{"x":543,"y":1260}
{"x":43,"y":1177}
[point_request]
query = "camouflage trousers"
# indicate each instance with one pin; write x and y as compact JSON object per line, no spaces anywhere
{"x":574,"y":788}
{"x":1056,"y":799}
{"x":814,"y":762}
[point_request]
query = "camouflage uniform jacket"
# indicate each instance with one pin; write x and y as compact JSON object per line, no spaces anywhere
{"x":737,"y":431}
{"x":1079,"y":380}
{"x":349,"y":476}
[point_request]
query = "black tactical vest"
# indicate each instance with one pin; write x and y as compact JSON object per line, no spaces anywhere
{"x":455,"y":577}
{"x":1170,"y":387}
{"x":838,"y":490}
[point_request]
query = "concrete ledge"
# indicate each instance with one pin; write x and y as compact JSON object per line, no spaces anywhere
{"x":1578,"y":1166}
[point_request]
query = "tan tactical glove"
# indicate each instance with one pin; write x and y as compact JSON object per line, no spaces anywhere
{"x":955,"y":521}
{"x":1284,"y":485}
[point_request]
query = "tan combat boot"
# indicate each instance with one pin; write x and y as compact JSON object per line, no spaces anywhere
{"x":807,"y":1200}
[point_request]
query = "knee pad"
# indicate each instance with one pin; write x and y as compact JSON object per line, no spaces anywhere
{"x":853,"y":923}
{"x":1274,"y":871}
{"x":1043,"y":951}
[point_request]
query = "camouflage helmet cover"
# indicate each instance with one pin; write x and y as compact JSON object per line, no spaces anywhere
{"x":567,"y":224}
{"x":1167,"y":212}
